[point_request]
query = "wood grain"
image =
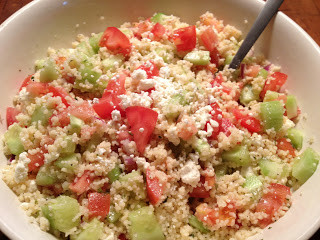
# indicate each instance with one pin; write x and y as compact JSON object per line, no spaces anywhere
{"x":305,"y":13}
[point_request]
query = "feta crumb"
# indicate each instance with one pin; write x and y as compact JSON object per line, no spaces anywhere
{"x":116,"y":115}
{"x":146,"y":84}
{"x":190,"y":174}
{"x":141,"y":130}
{"x":138,"y":74}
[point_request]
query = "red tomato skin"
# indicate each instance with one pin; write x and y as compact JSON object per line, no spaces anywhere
{"x":185,"y":38}
{"x":250,"y":123}
{"x":37,"y":88}
{"x":215,"y":57}
{"x":225,"y":126}
{"x":63,"y":119}
{"x":11,"y":114}
{"x":59,"y":92}
{"x":158,"y":31}
{"x":150,"y":68}
{"x":216,"y":111}
{"x":154,"y":188}
{"x":83,"y":111}
{"x":284,"y":145}
{"x":104,"y":107}
{"x":98,"y":205}
{"x":36,"y":161}
{"x":116,"y":85}
{"x":209,"y":39}
{"x":200,"y":191}
{"x":141,"y":117}
{"x":274,"y":83}
{"x":26,"y":82}
{"x":81,"y":184}
{"x":115,"y":41}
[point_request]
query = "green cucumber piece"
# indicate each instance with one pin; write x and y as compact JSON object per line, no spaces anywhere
{"x":133,"y":178}
{"x":49,"y":72}
{"x":238,"y":155}
{"x":91,"y":231}
{"x":271,"y":169}
{"x":221,"y":170}
{"x":88,"y":74}
{"x":203,"y":148}
{"x":94,"y":42}
{"x":68,"y":162}
{"x":296,"y":137}
{"x":172,"y":111}
{"x":272,"y":115}
{"x":85,"y":48}
{"x":45,"y":177}
{"x":113,"y":62}
{"x":228,"y":60}
{"x":113,"y":216}
{"x":196,"y":223}
{"x":63,"y":213}
{"x":144,"y":225}
{"x":270,"y":96}
{"x":198,"y":57}
{"x":39,"y":64}
{"x":291,"y":106}
{"x":70,"y":146}
{"x":13,"y":140}
{"x":114,"y":174}
{"x":161,"y":52}
{"x":252,"y":183}
{"x":129,"y":176}
{"x":247,"y":95}
{"x":41,"y":115}
{"x":305,"y":165}
{"x":158,"y":18}
{"x":76,"y":124}
{"x":263,"y":73}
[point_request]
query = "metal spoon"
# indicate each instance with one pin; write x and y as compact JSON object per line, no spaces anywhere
{"x":269,"y":10}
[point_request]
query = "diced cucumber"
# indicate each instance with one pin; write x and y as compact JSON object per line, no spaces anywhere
{"x":228,"y":60}
{"x":134,"y":179}
{"x":13,"y":140}
{"x":94,"y":42}
{"x":39,"y":64}
{"x":129,"y":176}
{"x":271,"y":169}
{"x":68,"y":162}
{"x":144,"y":225}
{"x":291,"y":106}
{"x":272,"y":115}
{"x":252,"y":183}
{"x":76,"y":124}
{"x":263,"y":73}
{"x":91,"y":231}
{"x":296,"y":137}
{"x":113,"y":62}
{"x":238,"y":155}
{"x":45,"y":177}
{"x":220,"y":170}
{"x":62,"y":213}
{"x":161,"y":52}
{"x":203,"y":148}
{"x":172,"y":110}
{"x":198,"y":57}
{"x":49,"y":71}
{"x":305,"y":165}
{"x":247,"y":95}
{"x":196,"y":223}
{"x":85,"y":48}
{"x":88,"y":74}
{"x":270,"y":95}
{"x":41,"y":115}
{"x":158,"y":18}
{"x":114,"y":174}
{"x":113,"y":216}
{"x":70,"y":146}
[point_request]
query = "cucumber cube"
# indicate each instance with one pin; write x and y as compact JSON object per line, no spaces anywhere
{"x":196,"y":223}
{"x":85,"y":48}
{"x":45,"y":177}
{"x":203,"y":148}
{"x":127,"y":177}
{"x":292,"y":107}
{"x":113,"y":216}
{"x":12,"y":139}
{"x":198,"y":57}
{"x":263,"y":73}
{"x":94,"y":42}
{"x":133,"y":178}
{"x":39,"y":64}
{"x":41,"y":115}
{"x":305,"y":165}
{"x":49,"y":71}
{"x":271,"y":169}
{"x":63,"y":213}
{"x":113,"y":62}
{"x":247,"y":95}
{"x":114,"y":174}
{"x":144,"y":225}
{"x":68,"y":162}
{"x":70,"y":146}
{"x":89,"y":75}
{"x":172,"y":109}
{"x":220,"y":170}
{"x":91,"y":231}
{"x":270,"y":96}
{"x":228,"y":60}
{"x":272,"y":115}
{"x":252,"y":183}
{"x":296,"y":137}
{"x":76,"y":124}
{"x":158,"y":18}
{"x":238,"y":155}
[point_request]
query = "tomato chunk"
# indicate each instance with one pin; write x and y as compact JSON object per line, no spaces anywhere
{"x":98,"y":205}
{"x":186,"y":128}
{"x":185,"y":38}
{"x":158,"y":31}
{"x":63,"y":119}
{"x":200,"y":191}
{"x":209,"y":39}
{"x":285,"y":145}
{"x":226,"y":124}
{"x":155,"y":188}
{"x":37,"y":159}
{"x":26,"y":82}
{"x":81,"y":184}
{"x":83,"y":111}
{"x":11,"y":116}
{"x":37,"y":88}
{"x":271,"y":202}
{"x":274,"y":83}
{"x":215,"y":121}
{"x":116,"y":41}
{"x":247,"y":121}
{"x":116,"y":85}
{"x":59,"y":92}
{"x":142,"y":121}
{"x":150,"y":68}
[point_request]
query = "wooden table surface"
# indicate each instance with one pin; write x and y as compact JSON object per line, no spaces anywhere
{"x":304,"y":12}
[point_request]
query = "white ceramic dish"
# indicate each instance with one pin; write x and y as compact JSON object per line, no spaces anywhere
{"x":25,"y":36}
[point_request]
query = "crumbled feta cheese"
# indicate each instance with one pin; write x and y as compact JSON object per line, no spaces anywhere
{"x":202,"y":116}
{"x":190,"y":174}
{"x":138,"y":75}
{"x":116,"y":115}
{"x":21,"y":170}
{"x":141,"y":130}
{"x":142,"y":163}
{"x":146,"y":84}
{"x":23,"y":95}
{"x":136,"y":99}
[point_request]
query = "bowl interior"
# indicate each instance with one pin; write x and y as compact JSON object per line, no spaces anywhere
{"x":26,"y":36}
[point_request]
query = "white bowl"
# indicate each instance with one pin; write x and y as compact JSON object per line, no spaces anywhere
{"x":25,"y":36}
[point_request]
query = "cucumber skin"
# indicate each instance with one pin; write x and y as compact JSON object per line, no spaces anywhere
{"x":238,"y":155}
{"x":272,"y":115}
{"x":296,"y":137}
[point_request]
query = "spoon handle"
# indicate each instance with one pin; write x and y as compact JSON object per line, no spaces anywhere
{"x":269,"y":10}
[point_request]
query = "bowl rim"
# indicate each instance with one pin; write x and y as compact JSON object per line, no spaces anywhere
{"x":305,"y":235}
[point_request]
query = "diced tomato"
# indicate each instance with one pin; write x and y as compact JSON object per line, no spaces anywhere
{"x":158,"y":31}
{"x":141,"y":28}
{"x":81,"y":184}
{"x":142,"y":122}
{"x":11,"y":115}
{"x":69,"y":77}
{"x":225,"y":126}
{"x":59,"y":92}
{"x":210,"y":180}
{"x":211,"y":21}
{"x":36,"y":160}
{"x":215,"y":57}
{"x":246,"y":121}
{"x":185,"y":38}
{"x":98,"y":205}
{"x":37,"y":88}
{"x":252,"y":71}
{"x":150,"y":68}
{"x":271,"y":202}
{"x":116,"y":41}
{"x":209,"y":39}
{"x":285,"y":145}
{"x":106,"y":105}
{"x":200,"y":191}
{"x":155,"y":188}
{"x":123,"y":135}
{"x":116,"y":85}
{"x":26,"y":82}
{"x":186,"y":128}
{"x":274,"y":83}
{"x":60,"y":61}
{"x":216,"y":114}
{"x":63,"y":119}
{"x":83,"y":111}
{"x":122,"y":237}
{"x":217,"y":82}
